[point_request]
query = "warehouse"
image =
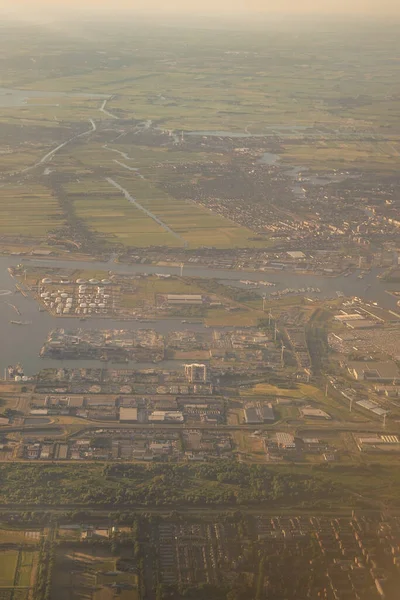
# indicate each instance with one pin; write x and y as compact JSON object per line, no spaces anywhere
{"x":259,"y":414}
{"x":184,"y":299}
{"x":308,"y":412}
{"x":162,"y":416}
{"x":285,"y":441}
{"x":374,"y":371}
{"x":128,"y":415}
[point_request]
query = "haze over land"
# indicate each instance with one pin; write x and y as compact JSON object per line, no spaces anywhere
{"x":226,"y":7}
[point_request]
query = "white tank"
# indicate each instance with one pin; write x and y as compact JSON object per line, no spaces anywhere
{"x":83,"y":305}
{"x":94,"y":281}
{"x":92,"y":305}
{"x":81,"y":281}
{"x":64,"y":295}
{"x":18,"y":378}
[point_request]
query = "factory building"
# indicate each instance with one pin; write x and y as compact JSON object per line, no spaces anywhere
{"x":128,"y":415}
{"x":196,"y":373}
{"x":191,"y":299}
{"x":259,"y":414}
{"x":163,"y":416}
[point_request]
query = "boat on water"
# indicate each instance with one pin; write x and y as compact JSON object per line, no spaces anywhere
{"x":21,"y":322}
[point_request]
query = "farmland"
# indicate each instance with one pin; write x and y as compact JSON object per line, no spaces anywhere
{"x":28,"y":211}
{"x":17,"y":569}
{"x":128,"y":114}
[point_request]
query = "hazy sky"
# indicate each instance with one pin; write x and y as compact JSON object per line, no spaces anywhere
{"x":222,"y":6}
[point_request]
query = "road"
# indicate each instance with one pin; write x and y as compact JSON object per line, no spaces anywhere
{"x":187,"y":509}
{"x":107,"y":112}
{"x":300,"y":427}
{"x":135,"y":203}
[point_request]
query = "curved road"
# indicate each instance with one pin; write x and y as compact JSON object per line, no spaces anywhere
{"x":47,"y":157}
{"x":135,"y":203}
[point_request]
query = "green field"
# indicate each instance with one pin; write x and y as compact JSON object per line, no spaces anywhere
{"x":321,"y":102}
{"x":16,"y":567}
{"x":106,"y":212}
{"x":28,"y":211}
{"x":8,"y":564}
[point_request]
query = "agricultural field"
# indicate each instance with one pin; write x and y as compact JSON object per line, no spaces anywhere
{"x":17,"y":571}
{"x":275,"y":84}
{"x":382,"y":156}
{"x":128,"y":113}
{"x":28,"y":211}
{"x":16,"y":536}
{"x":151,"y":217}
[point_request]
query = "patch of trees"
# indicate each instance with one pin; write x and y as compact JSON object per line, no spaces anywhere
{"x":221,"y":482}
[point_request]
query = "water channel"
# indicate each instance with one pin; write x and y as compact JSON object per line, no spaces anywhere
{"x":22,"y":343}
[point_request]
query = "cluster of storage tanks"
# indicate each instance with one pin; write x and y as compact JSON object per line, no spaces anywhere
{"x":90,"y":297}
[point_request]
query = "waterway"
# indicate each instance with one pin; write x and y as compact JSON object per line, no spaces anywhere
{"x":22,"y":343}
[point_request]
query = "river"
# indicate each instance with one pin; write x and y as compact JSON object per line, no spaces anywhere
{"x":22,"y":343}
